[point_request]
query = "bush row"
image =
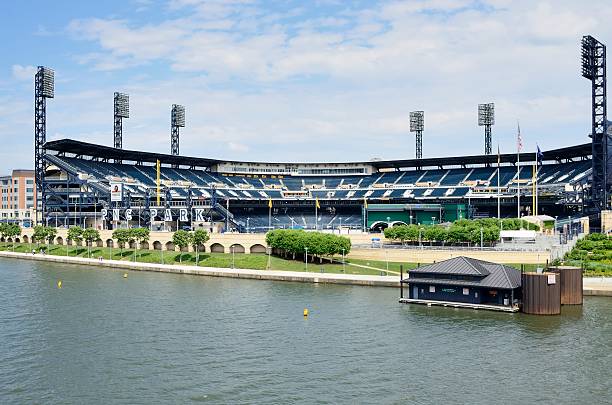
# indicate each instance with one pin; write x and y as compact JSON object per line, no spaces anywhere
{"x":296,"y":242}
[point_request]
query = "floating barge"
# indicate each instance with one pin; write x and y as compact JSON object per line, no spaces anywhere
{"x":463,"y":282}
{"x":460,"y":305}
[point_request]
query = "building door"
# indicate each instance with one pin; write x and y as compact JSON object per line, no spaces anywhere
{"x":415,"y":292}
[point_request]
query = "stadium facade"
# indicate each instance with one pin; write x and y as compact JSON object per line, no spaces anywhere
{"x":96,"y":185}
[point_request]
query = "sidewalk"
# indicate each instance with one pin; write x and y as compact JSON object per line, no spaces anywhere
{"x":277,"y":275}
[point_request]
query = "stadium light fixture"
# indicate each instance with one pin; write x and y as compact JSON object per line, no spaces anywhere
{"x":417,"y":125}
{"x":486,"y":119}
{"x":122,"y":105}
{"x":593,"y":68}
{"x":121,"y":110}
{"x":178,"y":115}
{"x":44,"y":88}
{"x":177,"y":120}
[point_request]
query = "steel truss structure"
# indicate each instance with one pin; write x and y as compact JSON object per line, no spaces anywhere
{"x":593,"y":58}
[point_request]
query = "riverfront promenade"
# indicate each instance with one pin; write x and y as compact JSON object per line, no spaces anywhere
{"x":599,"y":286}
{"x":276,"y":275}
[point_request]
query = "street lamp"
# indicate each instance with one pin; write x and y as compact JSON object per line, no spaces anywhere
{"x":248,"y":219}
{"x":410,"y":219}
{"x":233,"y":263}
{"x":306,"y":257}
{"x":433,"y":220}
{"x":481,"y":238}
{"x":343,"y":263}
{"x":420,"y":231}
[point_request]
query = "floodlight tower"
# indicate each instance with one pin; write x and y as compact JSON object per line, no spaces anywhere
{"x":417,"y":125}
{"x":486,"y":119}
{"x":177,"y":120}
{"x":593,"y":58}
{"x":44,"y":86}
{"x":121,"y":110}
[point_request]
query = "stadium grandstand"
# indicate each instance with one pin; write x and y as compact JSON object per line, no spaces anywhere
{"x":86,"y":184}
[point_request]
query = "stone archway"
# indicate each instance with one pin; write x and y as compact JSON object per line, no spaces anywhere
{"x":99,"y":243}
{"x":17,"y":240}
{"x":59,"y":240}
{"x":217,"y":248}
{"x":170,"y":246}
{"x":157,"y":245}
{"x":26,"y":239}
{"x":258,"y":248}
{"x":237,"y":248}
{"x":144,"y":245}
{"x":110,"y":243}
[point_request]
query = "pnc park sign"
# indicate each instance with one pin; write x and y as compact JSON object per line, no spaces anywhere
{"x":166,"y":215}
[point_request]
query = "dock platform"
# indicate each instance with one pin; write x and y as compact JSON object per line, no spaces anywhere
{"x":459,"y":305}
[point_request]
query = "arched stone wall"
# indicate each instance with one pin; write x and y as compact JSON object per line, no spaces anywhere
{"x":110,"y":243}
{"x":170,"y":246}
{"x":144,"y":245}
{"x":26,"y":239}
{"x":237,"y":248}
{"x":258,"y":248}
{"x":217,"y":248}
{"x":99,"y":243}
{"x":157,"y":245}
{"x":59,"y":240}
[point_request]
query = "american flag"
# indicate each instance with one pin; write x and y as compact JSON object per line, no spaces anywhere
{"x":519,"y":139}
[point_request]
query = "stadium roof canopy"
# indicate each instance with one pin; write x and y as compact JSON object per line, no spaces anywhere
{"x":80,"y":148}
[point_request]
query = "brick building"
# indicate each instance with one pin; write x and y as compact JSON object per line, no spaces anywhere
{"x":18,"y":197}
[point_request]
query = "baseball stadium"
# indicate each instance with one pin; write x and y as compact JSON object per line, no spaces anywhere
{"x":86,"y":184}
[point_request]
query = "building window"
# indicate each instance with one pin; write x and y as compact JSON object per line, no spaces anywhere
{"x":432,"y":288}
{"x":466,"y":291}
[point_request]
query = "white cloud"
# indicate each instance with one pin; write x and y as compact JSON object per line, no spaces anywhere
{"x":237,"y":147}
{"x":24,"y":72}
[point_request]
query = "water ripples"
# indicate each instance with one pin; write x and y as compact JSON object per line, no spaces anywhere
{"x":162,"y":338}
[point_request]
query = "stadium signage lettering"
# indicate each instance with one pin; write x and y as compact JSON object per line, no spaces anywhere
{"x":127,"y":214}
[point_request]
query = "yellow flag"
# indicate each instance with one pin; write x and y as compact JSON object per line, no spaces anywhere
{"x":365,"y":203}
{"x":269,"y":203}
{"x":317,"y":203}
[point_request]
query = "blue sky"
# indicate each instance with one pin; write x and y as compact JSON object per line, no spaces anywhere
{"x":323,"y":80}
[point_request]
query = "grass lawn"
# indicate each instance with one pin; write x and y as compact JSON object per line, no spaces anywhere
{"x":220,"y":260}
{"x":224,"y":260}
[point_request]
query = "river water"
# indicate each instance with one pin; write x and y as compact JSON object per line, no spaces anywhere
{"x":164,"y":338}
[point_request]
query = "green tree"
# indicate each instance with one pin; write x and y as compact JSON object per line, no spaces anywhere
{"x":199,"y":238}
{"x":40,"y":234}
{"x":90,"y":235}
{"x":122,"y":236}
{"x":182,"y":239}
{"x":4,"y":231}
{"x":75,"y":234}
{"x":139,"y":236}
{"x":51,"y":233}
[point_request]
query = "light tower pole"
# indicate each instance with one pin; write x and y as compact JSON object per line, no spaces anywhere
{"x":417,"y":125}
{"x":44,"y":88}
{"x":121,"y":110}
{"x":593,"y":58}
{"x":486,"y":119}
{"x":177,"y":120}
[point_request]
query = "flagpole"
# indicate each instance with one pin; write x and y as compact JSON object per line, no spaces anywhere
{"x":498,"y":185}
{"x":534,"y":190}
{"x":270,"y":215}
{"x":316,"y":214}
{"x":518,"y":173}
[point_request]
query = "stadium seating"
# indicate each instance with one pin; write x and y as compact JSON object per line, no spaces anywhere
{"x":411,"y":184}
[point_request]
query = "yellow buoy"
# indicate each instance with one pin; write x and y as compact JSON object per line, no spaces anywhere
{"x":124,"y":275}
{"x":59,"y":284}
{"x":305,"y":311}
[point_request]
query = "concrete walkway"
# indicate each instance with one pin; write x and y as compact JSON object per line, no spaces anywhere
{"x":276,"y":275}
{"x":600,"y":286}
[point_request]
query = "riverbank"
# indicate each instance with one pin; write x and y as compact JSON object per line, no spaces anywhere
{"x":595,"y":286}
{"x":275,"y":275}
